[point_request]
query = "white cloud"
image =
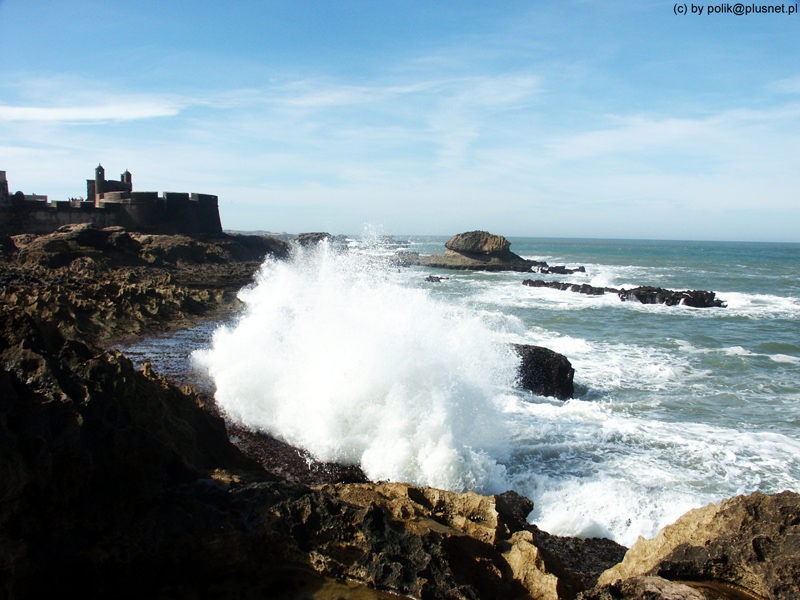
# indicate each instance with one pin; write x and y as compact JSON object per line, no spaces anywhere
{"x":116,"y":111}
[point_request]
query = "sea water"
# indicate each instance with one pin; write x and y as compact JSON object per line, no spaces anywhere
{"x":345,"y":353}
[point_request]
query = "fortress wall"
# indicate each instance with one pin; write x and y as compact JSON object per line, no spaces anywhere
{"x":38,"y":219}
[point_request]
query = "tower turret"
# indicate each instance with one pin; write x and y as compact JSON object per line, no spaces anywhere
{"x":99,"y":180}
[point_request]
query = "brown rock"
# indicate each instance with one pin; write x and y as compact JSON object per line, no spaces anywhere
{"x":747,"y":544}
{"x":645,"y":588}
{"x":311,"y":239}
{"x":478,"y":242}
{"x":477,"y":251}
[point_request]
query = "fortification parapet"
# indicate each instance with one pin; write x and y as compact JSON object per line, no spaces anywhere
{"x":144,"y":196}
{"x":206,"y":199}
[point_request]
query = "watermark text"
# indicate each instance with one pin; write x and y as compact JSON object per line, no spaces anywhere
{"x":738,"y":9}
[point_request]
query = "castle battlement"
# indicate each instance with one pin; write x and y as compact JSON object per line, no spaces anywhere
{"x":111,"y":203}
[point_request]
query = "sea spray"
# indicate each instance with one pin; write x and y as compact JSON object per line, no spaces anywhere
{"x":331,"y":354}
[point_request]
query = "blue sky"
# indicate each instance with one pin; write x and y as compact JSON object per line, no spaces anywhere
{"x":553,"y":118}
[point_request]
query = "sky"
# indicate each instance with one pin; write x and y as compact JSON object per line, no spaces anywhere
{"x":552,"y":118}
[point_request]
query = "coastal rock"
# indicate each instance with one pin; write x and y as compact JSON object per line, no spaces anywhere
{"x":474,"y":537}
{"x":645,"y":294}
{"x":645,"y":588}
{"x":656,"y":295}
{"x":478,"y":251}
{"x":478,"y":242}
{"x":103,"y":283}
{"x":580,"y":288}
{"x":545,"y":372}
{"x":744,"y":547}
{"x":311,"y":239}
{"x":7,"y":247}
{"x":559,"y":269}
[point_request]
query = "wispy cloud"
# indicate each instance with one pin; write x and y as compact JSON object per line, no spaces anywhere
{"x":125,"y":110}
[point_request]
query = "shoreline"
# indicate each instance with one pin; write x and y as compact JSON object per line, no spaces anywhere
{"x":130,"y":455}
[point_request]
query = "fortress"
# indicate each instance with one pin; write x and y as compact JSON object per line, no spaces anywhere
{"x":108,"y":203}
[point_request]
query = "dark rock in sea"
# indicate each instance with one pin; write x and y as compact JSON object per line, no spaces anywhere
{"x":435,"y":278}
{"x":581,"y":288}
{"x":559,"y":270}
{"x":656,"y":295}
{"x":744,"y":547}
{"x":478,"y":251}
{"x":311,"y":239}
{"x":545,"y":372}
{"x":645,"y":295}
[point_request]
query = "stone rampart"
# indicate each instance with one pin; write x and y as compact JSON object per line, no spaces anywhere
{"x":157,"y":216}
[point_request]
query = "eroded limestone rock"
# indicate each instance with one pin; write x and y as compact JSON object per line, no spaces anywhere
{"x":743,"y":545}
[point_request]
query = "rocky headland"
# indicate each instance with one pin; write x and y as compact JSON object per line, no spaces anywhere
{"x":116,"y":483}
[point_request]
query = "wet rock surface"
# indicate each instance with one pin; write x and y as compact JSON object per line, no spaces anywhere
{"x":545,"y":372}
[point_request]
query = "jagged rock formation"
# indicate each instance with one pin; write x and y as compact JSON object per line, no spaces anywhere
{"x":478,"y":251}
{"x":104,"y":284}
{"x":545,"y":372}
{"x":311,"y":239}
{"x":744,"y":547}
{"x":645,"y":294}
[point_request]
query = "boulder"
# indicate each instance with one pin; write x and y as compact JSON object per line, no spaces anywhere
{"x":478,"y":242}
{"x":545,"y":372}
{"x":744,"y":547}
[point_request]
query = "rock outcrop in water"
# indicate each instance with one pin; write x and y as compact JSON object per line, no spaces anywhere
{"x":545,"y":372}
{"x":478,"y":251}
{"x":645,"y":294}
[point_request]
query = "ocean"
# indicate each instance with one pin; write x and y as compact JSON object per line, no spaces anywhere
{"x":361,"y":361}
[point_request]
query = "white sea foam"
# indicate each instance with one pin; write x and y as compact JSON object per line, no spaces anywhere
{"x":593,"y":471}
{"x":333,"y":355}
{"x":785,"y":358}
{"x":760,"y":305}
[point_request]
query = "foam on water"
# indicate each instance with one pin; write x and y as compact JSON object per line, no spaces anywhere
{"x":592,"y":471}
{"x":334,"y":355}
